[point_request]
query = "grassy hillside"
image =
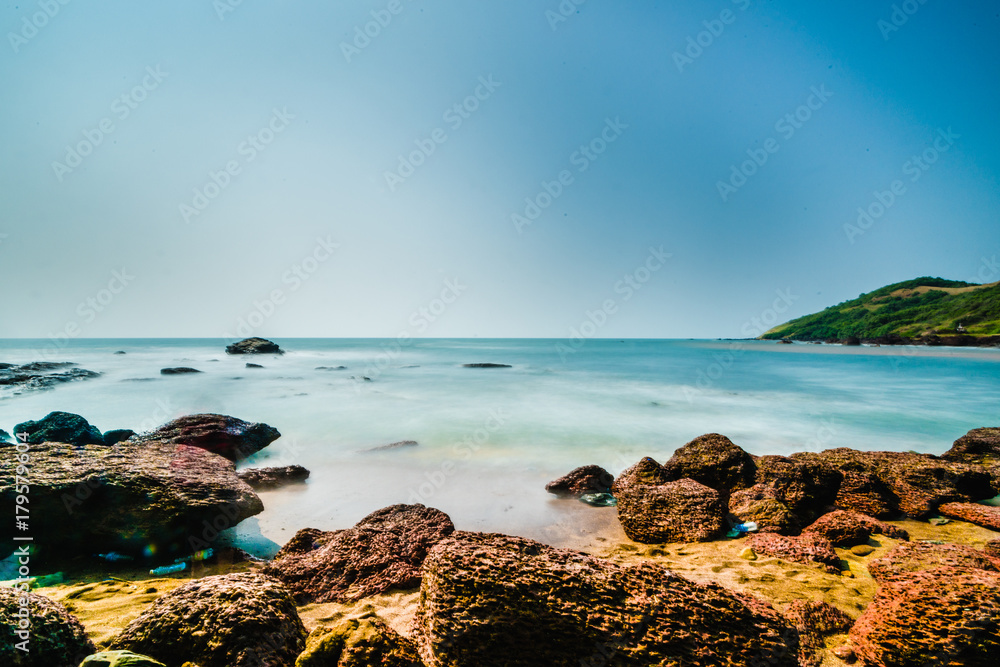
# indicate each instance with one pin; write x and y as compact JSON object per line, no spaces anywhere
{"x":911,"y":308}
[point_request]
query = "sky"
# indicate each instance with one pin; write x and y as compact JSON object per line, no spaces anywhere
{"x":382,"y":168}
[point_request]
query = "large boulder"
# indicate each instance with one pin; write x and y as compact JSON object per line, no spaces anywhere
{"x":980,"y":445}
{"x":254,"y":346}
{"x":986,"y":516}
{"x":942,"y":616}
{"x":907,"y":558}
{"x":60,"y":427}
{"x":51,"y":636}
{"x":807,"y":488}
{"x":764,"y":506}
{"x":848,"y":529}
{"x":680,"y":511}
{"x":490,"y":600}
{"x":865,"y":493}
{"x":808,"y":549}
{"x":272,"y":478}
{"x":713,"y":460}
{"x":227,"y":436}
{"x":585,"y":479}
{"x":94,"y":499}
{"x":384,"y":550}
{"x":230,"y":620}
{"x":358,"y":642}
{"x":919,"y":482}
{"x":646,"y":472}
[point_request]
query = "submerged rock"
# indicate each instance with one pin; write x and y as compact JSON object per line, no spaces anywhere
{"x":384,"y":550}
{"x":272,"y":478}
{"x":713,"y":460}
{"x":60,"y":427}
{"x":254,"y":346}
{"x":96,"y":499}
{"x":179,"y":370}
{"x":227,"y":436}
{"x":41,"y":375}
{"x":358,"y":642}
{"x":402,"y":444}
{"x":54,"y":637}
{"x":583,"y":480}
{"x":942,"y":616}
{"x":808,"y":548}
{"x":680,"y":511}
{"x":492,"y":600}
{"x":986,"y":516}
{"x":486,"y":365}
{"x":847,"y":529}
{"x":230,"y":620}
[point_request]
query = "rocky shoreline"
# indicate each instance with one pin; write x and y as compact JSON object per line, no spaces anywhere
{"x":928,"y":340}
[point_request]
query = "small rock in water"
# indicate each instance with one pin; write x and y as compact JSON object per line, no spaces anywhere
{"x":249,"y":365}
{"x":60,"y":427}
{"x":120,"y":352}
{"x":392,"y":445}
{"x":486,"y":365}
{"x":117,"y":435}
{"x":178,"y":370}
{"x":254,"y":346}
{"x":862,"y":549}
{"x":599,"y":499}
{"x":331,"y":368}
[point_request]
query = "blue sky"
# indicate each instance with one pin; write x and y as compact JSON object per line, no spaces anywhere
{"x":212,"y":169}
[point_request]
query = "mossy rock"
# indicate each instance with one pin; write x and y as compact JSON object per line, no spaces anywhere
{"x":358,"y":642}
{"x":120,"y":659}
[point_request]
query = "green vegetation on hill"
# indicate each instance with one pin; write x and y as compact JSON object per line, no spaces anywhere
{"x":910,"y":308}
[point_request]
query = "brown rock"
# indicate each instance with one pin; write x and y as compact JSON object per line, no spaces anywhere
{"x":981,"y":515}
{"x":230,"y":437}
{"x":384,"y":550}
{"x":862,"y":550}
{"x":55,"y":637}
{"x":920,"y":482}
{"x":492,"y":600}
{"x":992,"y":549}
{"x":680,"y":511}
{"x":230,"y":620}
{"x":713,"y":460}
{"x":762,"y":504}
{"x":847,"y":529}
{"x":806,"y":487}
{"x":980,"y":445}
{"x":909,"y":557}
{"x":814,"y":621}
{"x":358,"y":642}
{"x":943,"y":616}
{"x":272,"y":478}
{"x":585,"y":479}
{"x":809,"y":549}
{"x":865,"y":493}
{"x":645,"y":472}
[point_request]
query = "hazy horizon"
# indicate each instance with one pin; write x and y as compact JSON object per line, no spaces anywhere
{"x":381,"y":168}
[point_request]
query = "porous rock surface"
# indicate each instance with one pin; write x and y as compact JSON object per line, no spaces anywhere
{"x":808,"y":549}
{"x":227,"y":436}
{"x":848,"y":529}
{"x":585,"y":479}
{"x":358,"y":642}
{"x":56,"y":639}
{"x":981,"y":515}
{"x":909,"y":557}
{"x":679,"y":511}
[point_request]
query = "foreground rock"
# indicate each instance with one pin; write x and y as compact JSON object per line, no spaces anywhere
{"x":490,"y":600}
{"x":815,"y":621}
{"x":980,"y":446}
{"x":713,"y":460}
{"x":60,"y":427}
{"x":254,"y":346}
{"x":848,"y":529}
{"x":808,"y":549}
{"x":680,"y":511}
{"x":231,"y":620}
{"x":120,"y":659}
{"x":41,"y":375}
{"x":384,"y":550}
{"x":95,"y":499}
{"x":942,"y":616}
{"x":981,"y":515}
{"x":55,"y":637}
{"x":227,"y":436}
{"x":272,"y":478}
{"x":585,"y":479}
{"x":908,"y":558}
{"x":918,"y":483}
{"x":806,"y":488}
{"x":364,"y":642}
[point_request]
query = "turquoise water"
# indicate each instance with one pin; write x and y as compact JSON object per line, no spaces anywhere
{"x":491,"y":438}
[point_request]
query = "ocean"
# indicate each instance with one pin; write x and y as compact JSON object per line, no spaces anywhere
{"x":490,"y":438}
